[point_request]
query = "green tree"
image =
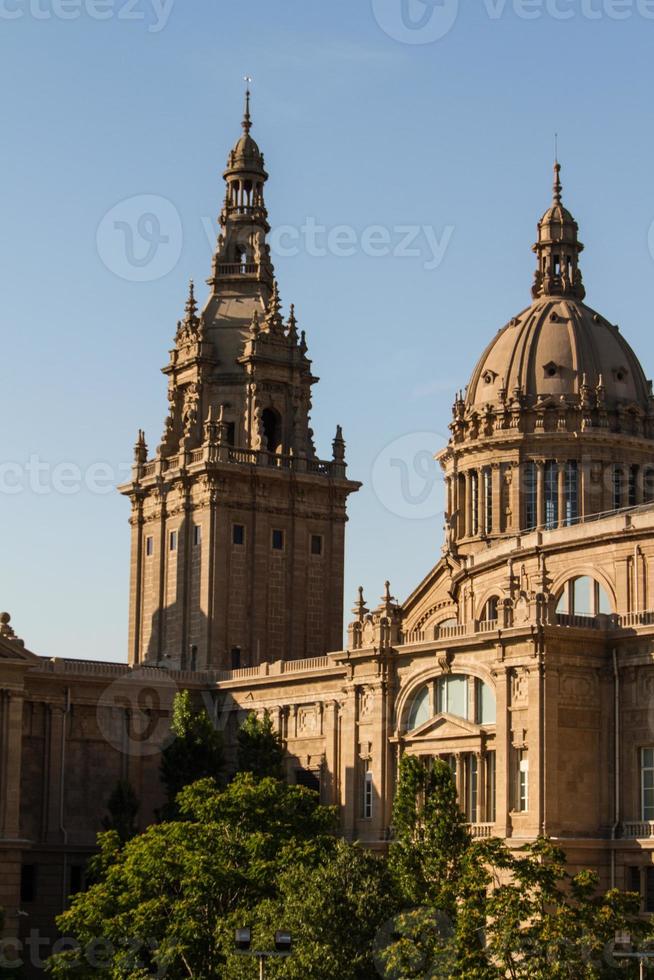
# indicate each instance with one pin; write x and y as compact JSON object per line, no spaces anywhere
{"x":122,"y":807}
{"x":430,"y":836}
{"x":168,"y":899}
{"x":334,"y":910}
{"x":260,"y":748}
{"x":196,"y":751}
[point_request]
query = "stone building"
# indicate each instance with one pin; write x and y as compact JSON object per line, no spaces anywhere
{"x":525,"y":657}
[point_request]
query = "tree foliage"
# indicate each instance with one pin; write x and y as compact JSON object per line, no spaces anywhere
{"x":260,"y":748}
{"x":122,"y":808}
{"x":196,"y":751}
{"x":265,"y":854}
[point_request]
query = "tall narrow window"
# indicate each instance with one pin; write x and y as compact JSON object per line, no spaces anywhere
{"x":473,"y":787}
{"x":647,"y":783}
{"x":366,"y":791}
{"x":488,"y":500}
{"x":452,"y":695}
{"x":491,"y":805}
{"x":531,"y":511}
{"x":474,"y":502}
{"x":633,"y":484}
{"x":197,"y":535}
{"x":571,"y":492}
{"x":648,"y":484}
{"x":618,"y":496}
{"x":649,"y":889}
{"x":149,"y":546}
{"x":551,"y":494}
{"x":522,"y":781}
{"x":173,"y":541}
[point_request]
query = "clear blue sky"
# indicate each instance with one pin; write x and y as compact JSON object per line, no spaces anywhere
{"x":360,"y":128}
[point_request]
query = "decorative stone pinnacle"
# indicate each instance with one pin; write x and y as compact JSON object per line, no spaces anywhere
{"x":292,"y":324}
{"x":360,"y":610}
{"x":338,"y":446}
{"x":5,"y":629}
{"x":273,"y":316}
{"x":558,"y":187}
{"x":247,"y":121}
{"x":140,"y":449}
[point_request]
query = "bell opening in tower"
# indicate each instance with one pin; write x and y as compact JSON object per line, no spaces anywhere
{"x":272,"y":427}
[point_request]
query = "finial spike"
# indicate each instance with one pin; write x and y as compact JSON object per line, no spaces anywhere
{"x":558,"y":187}
{"x":247,"y":121}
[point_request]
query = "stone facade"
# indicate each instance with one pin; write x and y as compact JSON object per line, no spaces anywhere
{"x":525,"y":658}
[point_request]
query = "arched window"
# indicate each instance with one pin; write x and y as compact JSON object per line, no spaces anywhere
{"x":583,"y":596}
{"x":271,"y":430}
{"x":419,"y":711}
{"x":490,"y":610}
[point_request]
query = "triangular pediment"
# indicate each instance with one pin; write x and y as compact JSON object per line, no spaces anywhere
{"x":10,"y":651}
{"x":445,"y":726}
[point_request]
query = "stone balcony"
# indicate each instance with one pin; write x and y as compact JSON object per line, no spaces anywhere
{"x":216,"y":455}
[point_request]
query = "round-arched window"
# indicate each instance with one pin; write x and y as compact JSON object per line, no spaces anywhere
{"x":584,"y":596}
{"x":419,"y":711}
{"x":490,"y":610}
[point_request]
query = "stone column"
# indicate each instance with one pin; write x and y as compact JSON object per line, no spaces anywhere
{"x":468,"y":503}
{"x":502,"y":752}
{"x":331,"y":725}
{"x":481,"y":787}
{"x":460,"y":780}
{"x":11,"y":732}
{"x":516,"y":497}
{"x":561,"y":494}
{"x":498,"y":503}
{"x":540,"y":492}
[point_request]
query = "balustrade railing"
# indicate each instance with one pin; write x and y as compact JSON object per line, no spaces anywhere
{"x":638,"y":829}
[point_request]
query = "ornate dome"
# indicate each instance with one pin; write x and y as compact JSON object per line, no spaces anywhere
{"x":554,"y":350}
{"x":559,"y":353}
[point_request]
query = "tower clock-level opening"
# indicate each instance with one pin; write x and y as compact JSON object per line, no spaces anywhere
{"x":272,"y":430}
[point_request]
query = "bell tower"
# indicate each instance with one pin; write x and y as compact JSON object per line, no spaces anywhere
{"x":238,"y":527}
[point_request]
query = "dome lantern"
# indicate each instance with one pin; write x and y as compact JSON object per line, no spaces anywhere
{"x":558,"y":249}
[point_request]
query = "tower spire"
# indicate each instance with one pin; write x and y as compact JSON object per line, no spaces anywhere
{"x":558,"y":248}
{"x":558,"y":186}
{"x":247,"y":121}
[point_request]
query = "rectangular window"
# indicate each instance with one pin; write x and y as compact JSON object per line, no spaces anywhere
{"x":633,"y":484}
{"x":648,"y":484}
{"x":308,"y":778}
{"x":522,"y":787}
{"x":633,"y":879}
{"x":28,"y":883}
{"x":647,"y":783}
{"x":173,"y":541}
{"x":453,"y":695}
{"x":617,"y":488}
{"x":231,"y":433}
{"x":571,"y":492}
{"x":486,"y":709}
{"x":76,"y":879}
{"x":197,"y":535}
{"x":551,"y":494}
{"x":531,"y":514}
{"x":474,"y":502}
{"x":236,"y":658}
{"x":149,"y":546}
{"x":490,"y":787}
{"x":488,"y":500}
{"x":278,"y":540}
{"x":473,"y":788}
{"x":316,"y":544}
{"x":238,"y":534}
{"x":366,"y":799}
{"x":649,"y":889}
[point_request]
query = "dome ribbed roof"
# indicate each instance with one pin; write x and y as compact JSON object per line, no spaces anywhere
{"x":552,"y":349}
